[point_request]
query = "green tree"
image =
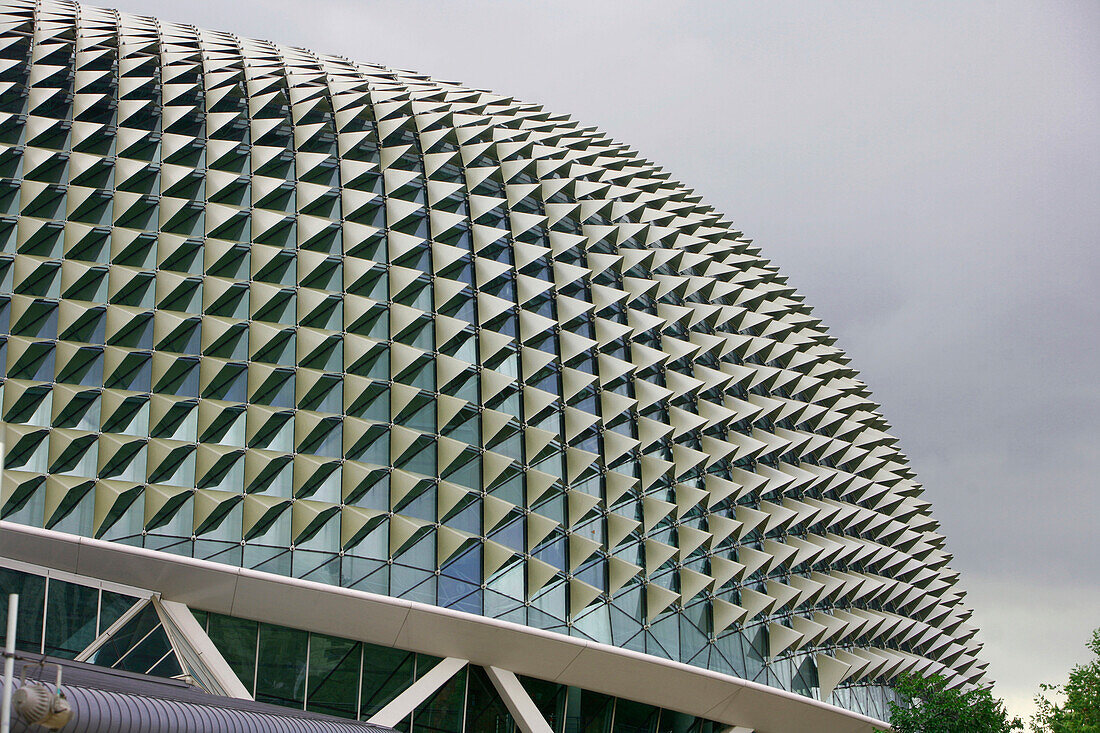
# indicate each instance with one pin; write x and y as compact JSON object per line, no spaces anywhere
{"x":1080,"y":713}
{"x":929,"y":707}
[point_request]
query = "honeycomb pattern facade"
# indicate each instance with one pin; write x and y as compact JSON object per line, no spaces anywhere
{"x":331,"y":320}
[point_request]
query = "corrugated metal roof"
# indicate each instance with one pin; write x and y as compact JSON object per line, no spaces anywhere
{"x":83,"y":676}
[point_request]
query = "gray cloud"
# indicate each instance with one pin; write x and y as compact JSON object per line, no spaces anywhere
{"x":928,"y":175}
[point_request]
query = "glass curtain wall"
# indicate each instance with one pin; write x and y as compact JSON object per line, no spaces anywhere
{"x":327,"y":674}
{"x":56,"y":617}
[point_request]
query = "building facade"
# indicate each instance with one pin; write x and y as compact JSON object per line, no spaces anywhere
{"x":339,"y":386}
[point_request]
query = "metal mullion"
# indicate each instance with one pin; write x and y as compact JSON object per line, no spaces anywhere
{"x":139,"y":641}
{"x":98,"y":608}
{"x":113,"y":629}
{"x":166,"y":655}
{"x":359,"y":683}
{"x":465,"y":696}
{"x":87,"y":581}
{"x":305,"y":694}
{"x":256,"y":663}
{"x":45,"y":607}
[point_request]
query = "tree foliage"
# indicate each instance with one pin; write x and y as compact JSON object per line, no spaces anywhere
{"x":1080,"y":713}
{"x":929,"y":707}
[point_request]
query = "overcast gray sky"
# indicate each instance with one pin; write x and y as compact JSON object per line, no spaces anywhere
{"x":927,"y":174}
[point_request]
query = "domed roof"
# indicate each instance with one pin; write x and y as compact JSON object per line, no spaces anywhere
{"x":356,"y":325}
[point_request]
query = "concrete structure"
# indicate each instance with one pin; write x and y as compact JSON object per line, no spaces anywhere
{"x":356,"y":391}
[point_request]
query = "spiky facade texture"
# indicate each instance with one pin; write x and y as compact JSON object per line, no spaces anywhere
{"x":351,"y":324}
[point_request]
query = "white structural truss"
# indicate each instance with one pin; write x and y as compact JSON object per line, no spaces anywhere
{"x":401,"y":339}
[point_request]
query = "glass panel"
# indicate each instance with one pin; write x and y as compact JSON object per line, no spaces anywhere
{"x":804,"y":679}
{"x":282,"y":658}
{"x":333,"y":676}
{"x":485,"y":711}
{"x":673,"y":722}
{"x":133,"y":631}
{"x":588,"y":712}
{"x":71,"y":618}
{"x":549,"y":698}
{"x":168,"y":666}
{"x":201,"y":617}
{"x":32,"y":595}
{"x":138,"y":646}
{"x":443,"y":711}
{"x":386,"y":672}
{"x":424,"y":663}
{"x":111,"y":607}
{"x":152,"y":652}
{"x":635,"y":717}
{"x":235,"y":638}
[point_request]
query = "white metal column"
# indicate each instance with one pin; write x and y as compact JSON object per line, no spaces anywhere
{"x":519,"y":703}
{"x":196,"y":649}
{"x":418,"y":692}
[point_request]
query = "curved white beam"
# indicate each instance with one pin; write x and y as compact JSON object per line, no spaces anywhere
{"x":428,"y":629}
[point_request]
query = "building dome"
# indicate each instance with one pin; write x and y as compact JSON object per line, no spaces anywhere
{"x":292,"y":313}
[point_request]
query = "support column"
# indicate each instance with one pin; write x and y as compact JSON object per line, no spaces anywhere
{"x":518,"y":702}
{"x":197,"y":651}
{"x":417,"y":692}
